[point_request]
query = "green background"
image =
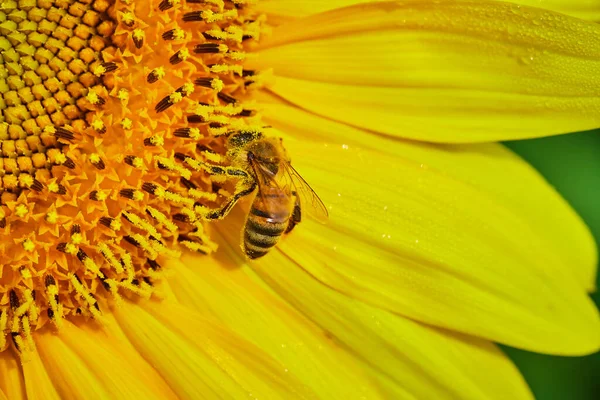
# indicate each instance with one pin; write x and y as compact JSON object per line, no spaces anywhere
{"x":571,"y":163}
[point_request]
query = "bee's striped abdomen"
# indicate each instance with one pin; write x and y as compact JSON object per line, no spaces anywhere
{"x":264,"y":228}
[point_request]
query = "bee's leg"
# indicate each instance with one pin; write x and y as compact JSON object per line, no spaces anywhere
{"x":222,"y":212}
{"x":213,"y":169}
{"x":296,"y":214}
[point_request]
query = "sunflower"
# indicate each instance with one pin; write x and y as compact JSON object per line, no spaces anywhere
{"x":121,"y":270}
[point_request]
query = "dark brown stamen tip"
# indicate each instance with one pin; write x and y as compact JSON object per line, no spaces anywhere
{"x":175,"y":59}
{"x":166,"y":5}
{"x":69,"y":163}
{"x":14,"y":300}
{"x":49,"y":280}
{"x":62,"y":133}
{"x":106,"y":221}
{"x":195,"y":119}
{"x":193,"y":16}
{"x":99,"y":164}
{"x":127,"y":193}
{"x":37,"y":185}
{"x":206,"y":48}
{"x":204,"y":82}
{"x":164,"y":104}
{"x":227,"y":98}
{"x":152,"y":77}
{"x":109,"y":66}
{"x":138,"y":42}
{"x":75,"y":229}
{"x":149,"y":187}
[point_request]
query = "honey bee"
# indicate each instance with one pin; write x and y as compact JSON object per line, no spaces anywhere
{"x":279,"y":191}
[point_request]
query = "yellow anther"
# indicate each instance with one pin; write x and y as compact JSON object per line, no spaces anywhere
{"x":138,"y":34}
{"x":60,"y":159}
{"x":83,"y":292}
{"x":98,"y":125}
{"x":145,"y":245}
{"x":20,"y":343}
{"x":115,"y":225}
{"x":126,"y":123}
{"x":226,"y":68}
{"x":138,"y":196}
{"x":159,"y":72}
{"x":52,"y":217}
{"x":202,"y":110}
{"x":25,"y":273}
{"x":113,"y":288}
{"x":194,"y":133}
{"x":143,"y":291}
{"x":196,"y":247}
{"x":173,"y":197}
{"x":56,"y":308}
{"x":178,"y":34}
{"x":53,"y":187}
{"x":101,"y":195}
{"x":76,"y":238}
{"x":26,"y":180}
{"x":142,"y":224}
{"x":172,"y":166}
{"x":217,"y":84}
{"x":157,"y":140}
{"x":162,"y":218}
{"x":128,"y":265}
{"x":161,"y":249}
{"x":123,"y":95}
{"x":70,"y":248}
{"x":98,"y":70}
{"x":28,"y":245}
{"x":236,"y":55}
{"x":33,"y":310}
{"x":200,"y":195}
{"x":21,"y":210}
{"x":229,"y":109}
{"x":27,"y":332}
{"x":95,"y":158}
{"x":3,"y":326}
{"x":50,"y":129}
{"x":212,"y":157}
{"x":210,"y":16}
{"x":219,"y":119}
{"x":92,"y":97}
{"x":183,"y":54}
{"x":91,"y":265}
{"x":175,"y":98}
{"x":110,"y":257}
{"x":128,"y":17}
{"x":188,"y":88}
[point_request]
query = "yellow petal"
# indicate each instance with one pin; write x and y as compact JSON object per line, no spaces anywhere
{"x":11,"y":378}
{"x":82,"y":367}
{"x":585,"y":9}
{"x":427,"y":363}
{"x":410,"y":237}
{"x":210,"y":285}
{"x":38,"y":384}
{"x":490,"y":168}
{"x":441,"y":71}
{"x":199,"y":359}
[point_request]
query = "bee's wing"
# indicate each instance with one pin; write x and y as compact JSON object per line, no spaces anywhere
{"x":309,"y":200}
